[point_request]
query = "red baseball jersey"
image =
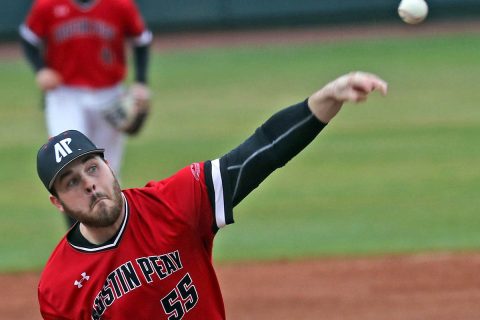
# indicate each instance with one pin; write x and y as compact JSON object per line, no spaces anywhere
{"x":85,"y":44}
{"x":158,"y":266}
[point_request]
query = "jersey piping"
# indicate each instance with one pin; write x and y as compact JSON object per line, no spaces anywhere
{"x":29,"y":35}
{"x":143,"y":39}
{"x":219,"y":194}
{"x":219,"y":198}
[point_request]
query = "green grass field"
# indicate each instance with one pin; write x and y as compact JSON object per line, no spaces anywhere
{"x":399,"y":174}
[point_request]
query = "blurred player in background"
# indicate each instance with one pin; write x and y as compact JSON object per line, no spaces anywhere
{"x":77,"y":49}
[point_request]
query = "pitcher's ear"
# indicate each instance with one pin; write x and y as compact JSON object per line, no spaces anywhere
{"x":56,"y":202}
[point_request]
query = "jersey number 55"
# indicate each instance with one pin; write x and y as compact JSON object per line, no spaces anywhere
{"x":181,"y":299}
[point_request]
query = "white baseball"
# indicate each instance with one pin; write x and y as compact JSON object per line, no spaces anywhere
{"x":413,"y":11}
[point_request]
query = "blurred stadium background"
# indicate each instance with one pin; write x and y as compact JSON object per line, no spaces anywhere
{"x":169,"y":15}
{"x":398,"y":176}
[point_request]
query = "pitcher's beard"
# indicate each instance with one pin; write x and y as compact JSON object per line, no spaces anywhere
{"x":103,"y":214}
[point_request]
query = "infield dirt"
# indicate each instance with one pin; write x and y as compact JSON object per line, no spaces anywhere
{"x":442,"y":286}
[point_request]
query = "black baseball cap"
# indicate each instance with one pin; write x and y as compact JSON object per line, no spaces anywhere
{"x":61,"y":150}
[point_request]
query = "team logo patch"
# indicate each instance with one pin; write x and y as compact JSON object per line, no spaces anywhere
{"x":79,"y":283}
{"x":195,"y":168}
{"x":61,"y":11}
{"x":62,"y":149}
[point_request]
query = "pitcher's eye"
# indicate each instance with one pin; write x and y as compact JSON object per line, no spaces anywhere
{"x":72,"y":182}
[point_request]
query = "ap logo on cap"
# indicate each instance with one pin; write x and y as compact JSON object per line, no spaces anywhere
{"x":62,"y":149}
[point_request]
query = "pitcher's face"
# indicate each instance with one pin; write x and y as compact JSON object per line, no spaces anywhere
{"x":88,"y":191}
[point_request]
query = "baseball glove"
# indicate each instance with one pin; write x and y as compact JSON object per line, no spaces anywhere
{"x":129,"y":114}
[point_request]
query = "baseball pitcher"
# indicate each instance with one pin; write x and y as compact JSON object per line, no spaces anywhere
{"x":146,"y":253}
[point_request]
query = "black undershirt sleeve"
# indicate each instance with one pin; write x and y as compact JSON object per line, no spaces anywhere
{"x":33,"y":55}
{"x":272,"y":145}
{"x":140,"y":59}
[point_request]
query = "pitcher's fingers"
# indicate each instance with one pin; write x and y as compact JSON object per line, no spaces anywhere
{"x":368,"y":82}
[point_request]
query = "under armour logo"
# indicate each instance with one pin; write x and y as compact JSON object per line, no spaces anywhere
{"x":84,"y":278}
{"x":62,"y":149}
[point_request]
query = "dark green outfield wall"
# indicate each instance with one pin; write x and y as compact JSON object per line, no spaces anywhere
{"x":176,"y":15}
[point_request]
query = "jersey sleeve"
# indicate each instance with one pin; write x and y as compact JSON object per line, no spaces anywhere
{"x":219,"y":193}
{"x":134,"y":26}
{"x":36,"y":22}
{"x":47,"y":310}
{"x":195,"y":196}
